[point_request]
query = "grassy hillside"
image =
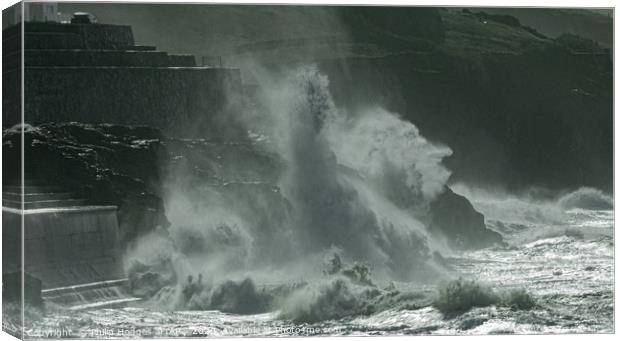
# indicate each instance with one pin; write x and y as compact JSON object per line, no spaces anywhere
{"x":596,"y":24}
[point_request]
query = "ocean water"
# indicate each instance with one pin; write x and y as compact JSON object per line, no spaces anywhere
{"x":567,"y":270}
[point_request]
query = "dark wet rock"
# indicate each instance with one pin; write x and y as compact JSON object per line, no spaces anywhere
{"x":453,"y":217}
{"x":133,"y":166}
{"x":506,"y":127}
{"x":105,"y":164}
{"x":121,"y":165}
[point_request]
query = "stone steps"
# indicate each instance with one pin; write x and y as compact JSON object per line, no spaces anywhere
{"x":120,"y":58}
{"x":102,"y":294}
{"x":84,"y":57}
{"x":30,"y":189}
{"x":142,"y":48}
{"x":29,"y":197}
{"x":29,"y":205}
{"x":70,"y":249}
{"x":37,"y":194}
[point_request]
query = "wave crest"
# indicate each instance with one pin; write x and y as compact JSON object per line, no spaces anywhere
{"x":588,"y":199}
{"x":459,"y":296}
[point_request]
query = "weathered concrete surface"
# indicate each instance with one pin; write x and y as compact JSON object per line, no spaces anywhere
{"x":71,"y":257}
{"x":66,"y":246}
{"x":179,"y":101}
{"x":110,"y":293}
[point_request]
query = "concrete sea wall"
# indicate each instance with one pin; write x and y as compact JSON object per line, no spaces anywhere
{"x":64,"y":246}
{"x":180,"y":101}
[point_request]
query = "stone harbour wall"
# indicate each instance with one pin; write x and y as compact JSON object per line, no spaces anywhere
{"x":66,"y":246}
{"x":184,"y":102}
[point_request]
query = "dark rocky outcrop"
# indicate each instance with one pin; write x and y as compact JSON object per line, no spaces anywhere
{"x":106,"y":164}
{"x":518,"y":110}
{"x":454,"y":218}
{"x":133,"y":167}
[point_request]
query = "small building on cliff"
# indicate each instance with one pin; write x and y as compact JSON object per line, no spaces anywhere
{"x":96,"y":73}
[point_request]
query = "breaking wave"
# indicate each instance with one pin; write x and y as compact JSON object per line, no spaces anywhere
{"x":587,"y":198}
{"x":528,"y":208}
{"x":458,"y":296}
{"x":327,"y":300}
{"x":354,"y":181}
{"x":352,"y":186}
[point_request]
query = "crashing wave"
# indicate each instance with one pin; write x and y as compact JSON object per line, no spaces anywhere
{"x":587,"y":198}
{"x":361,"y":183}
{"x":459,"y":296}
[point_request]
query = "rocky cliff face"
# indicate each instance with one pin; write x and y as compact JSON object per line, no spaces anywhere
{"x":135,"y":167}
{"x":517,"y":108}
{"x":454,"y":218}
{"x":513,"y":121}
{"x":520,"y":106}
{"x":590,"y":23}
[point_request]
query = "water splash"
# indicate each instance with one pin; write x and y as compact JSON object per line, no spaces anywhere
{"x":357,"y":182}
{"x":587,"y":198}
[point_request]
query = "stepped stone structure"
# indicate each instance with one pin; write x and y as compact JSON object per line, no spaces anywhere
{"x":96,"y":73}
{"x":89,"y":73}
{"x":71,"y":249}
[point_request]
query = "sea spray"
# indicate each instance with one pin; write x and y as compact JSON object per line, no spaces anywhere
{"x":522,"y":209}
{"x":356,"y":181}
{"x":240,"y":297}
{"x":543,"y":213}
{"x":337,"y":199}
{"x":346,"y":291}
{"x":586,"y":198}
{"x":391,"y":152}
